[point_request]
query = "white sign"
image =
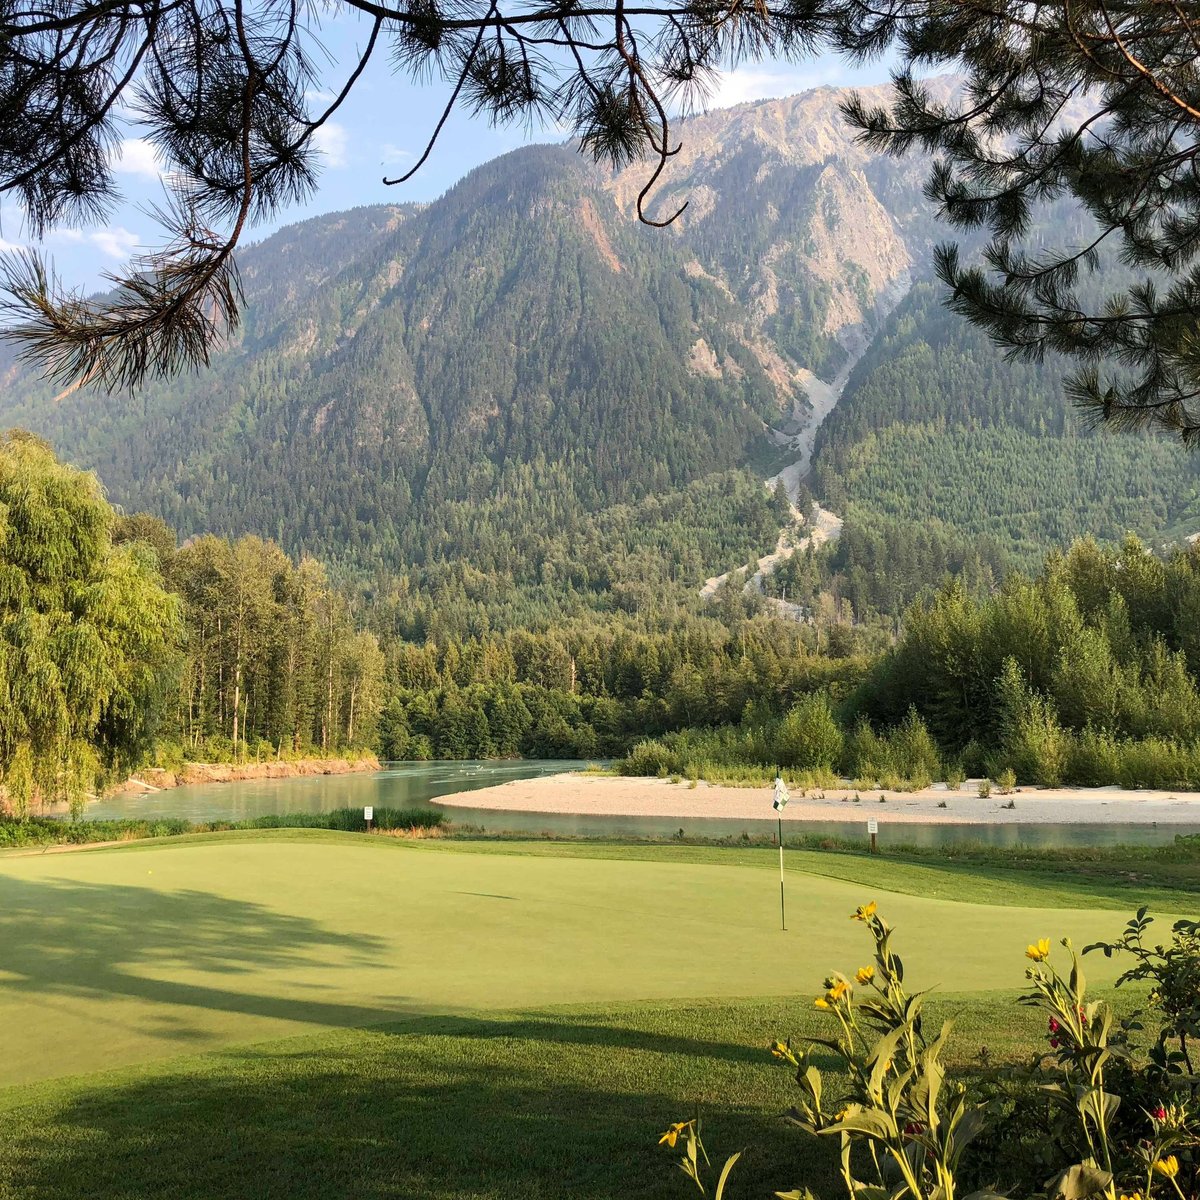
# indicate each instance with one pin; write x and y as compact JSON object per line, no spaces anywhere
{"x":368,"y":812}
{"x":872,"y":826}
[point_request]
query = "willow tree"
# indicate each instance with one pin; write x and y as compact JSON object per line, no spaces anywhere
{"x":88,"y":635}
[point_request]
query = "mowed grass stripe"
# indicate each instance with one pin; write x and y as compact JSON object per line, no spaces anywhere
{"x":128,"y":955}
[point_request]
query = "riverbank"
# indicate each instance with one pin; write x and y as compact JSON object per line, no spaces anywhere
{"x":621,"y":796}
{"x":156,"y":779}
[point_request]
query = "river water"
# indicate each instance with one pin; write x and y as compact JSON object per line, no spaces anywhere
{"x":417,"y":785}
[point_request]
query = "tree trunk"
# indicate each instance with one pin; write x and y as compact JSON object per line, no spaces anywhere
{"x":327,"y":724}
{"x":237,"y":688}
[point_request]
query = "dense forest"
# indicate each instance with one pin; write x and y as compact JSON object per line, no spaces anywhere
{"x":121,"y":647}
{"x":117,"y":648}
{"x":937,"y":427}
{"x":1085,"y":674}
{"x":456,"y":484}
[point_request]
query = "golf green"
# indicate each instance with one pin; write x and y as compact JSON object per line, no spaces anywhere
{"x":114,"y":957}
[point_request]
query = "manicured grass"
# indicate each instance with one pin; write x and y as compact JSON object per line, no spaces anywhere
{"x":126,"y":955}
{"x":1120,"y":878}
{"x":544,"y":1104}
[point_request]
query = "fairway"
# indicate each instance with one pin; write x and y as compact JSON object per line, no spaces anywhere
{"x":120,"y":956}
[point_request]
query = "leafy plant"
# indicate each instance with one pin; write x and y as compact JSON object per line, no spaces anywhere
{"x":694,"y":1162}
{"x":907,"y":1131}
{"x":1174,"y":974}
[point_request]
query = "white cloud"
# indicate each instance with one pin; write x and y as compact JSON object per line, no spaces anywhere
{"x":756,"y":83}
{"x":331,"y":140}
{"x":136,"y":156}
{"x":394,"y":156}
{"x":115,"y":241}
{"x":6,"y":246}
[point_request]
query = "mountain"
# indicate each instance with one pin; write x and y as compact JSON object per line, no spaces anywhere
{"x":519,"y":396}
{"x":398,"y":361}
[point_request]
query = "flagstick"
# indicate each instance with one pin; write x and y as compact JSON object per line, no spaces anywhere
{"x":782,"y":910}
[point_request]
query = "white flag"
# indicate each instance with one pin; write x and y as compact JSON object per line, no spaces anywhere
{"x":781,"y":795}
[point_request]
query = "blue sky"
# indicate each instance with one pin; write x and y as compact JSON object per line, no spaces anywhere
{"x":380,"y":130}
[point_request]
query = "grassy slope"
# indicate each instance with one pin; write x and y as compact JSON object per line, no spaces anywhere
{"x":126,"y":955}
{"x":562,"y":1104}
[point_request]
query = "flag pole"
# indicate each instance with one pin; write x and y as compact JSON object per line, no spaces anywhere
{"x":782,"y":910}
{"x":779,"y":803}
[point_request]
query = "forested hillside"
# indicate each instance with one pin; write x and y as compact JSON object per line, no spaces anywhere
{"x":501,"y":381}
{"x":946,"y":459}
{"x":515,"y":405}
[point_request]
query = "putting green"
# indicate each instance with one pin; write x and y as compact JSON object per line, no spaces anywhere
{"x":114,"y":957}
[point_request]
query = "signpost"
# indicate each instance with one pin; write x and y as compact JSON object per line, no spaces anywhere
{"x":779,"y":804}
{"x":873,"y":830}
{"x":368,"y":815}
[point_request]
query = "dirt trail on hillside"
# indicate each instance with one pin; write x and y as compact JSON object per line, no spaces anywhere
{"x":808,"y":412}
{"x":805,"y":529}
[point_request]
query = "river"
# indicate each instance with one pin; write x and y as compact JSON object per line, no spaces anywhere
{"x":418,"y":785}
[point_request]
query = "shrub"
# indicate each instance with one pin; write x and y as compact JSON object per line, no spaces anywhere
{"x":1035,"y":745}
{"x":914,"y":753}
{"x":866,"y":755}
{"x":985,"y":788}
{"x":955,"y":776}
{"x":1094,"y":759}
{"x":349,"y":820}
{"x":808,"y":737}
{"x":1006,"y":780}
{"x":1173,"y":972}
{"x":651,"y":757}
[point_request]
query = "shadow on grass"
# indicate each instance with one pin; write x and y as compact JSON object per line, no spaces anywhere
{"x":507,"y":1116}
{"x":79,"y":939}
{"x":97,"y":940}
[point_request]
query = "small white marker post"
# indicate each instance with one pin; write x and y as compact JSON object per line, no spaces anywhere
{"x":779,"y":804}
{"x":368,"y":815}
{"x":873,"y":830}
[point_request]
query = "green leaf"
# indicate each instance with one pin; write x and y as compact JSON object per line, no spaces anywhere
{"x":729,"y":1165}
{"x":810,"y":1080}
{"x":868,"y":1121}
{"x":1078,"y":1183}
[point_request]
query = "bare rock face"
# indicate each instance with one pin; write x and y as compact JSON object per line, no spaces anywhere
{"x":790,"y":214}
{"x":854,"y":246}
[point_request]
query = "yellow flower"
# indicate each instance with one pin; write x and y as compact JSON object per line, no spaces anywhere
{"x":864,"y":912}
{"x":820,"y":1002}
{"x":1167,"y":1167}
{"x":1039,"y":951}
{"x":837,"y":989}
{"x":672,"y":1135}
{"x":1135,"y":1196}
{"x":864,"y":974}
{"x":784,"y":1051}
